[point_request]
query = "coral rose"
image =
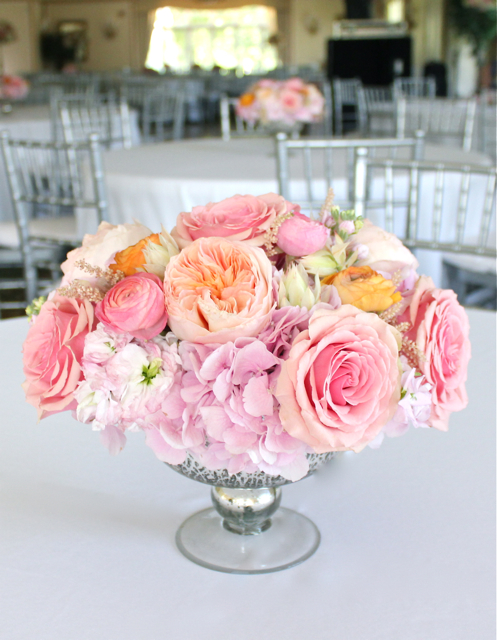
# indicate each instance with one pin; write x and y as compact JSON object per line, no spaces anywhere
{"x":244,"y":218}
{"x":53,"y":351}
{"x":134,"y":305}
{"x":131,"y":259}
{"x":341,"y":382}
{"x":440,"y":330}
{"x":150,"y":255}
{"x":364,"y":288}
{"x":99,"y":250}
{"x":218,"y":290}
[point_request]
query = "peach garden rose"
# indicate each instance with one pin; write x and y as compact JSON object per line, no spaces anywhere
{"x":218,"y":290}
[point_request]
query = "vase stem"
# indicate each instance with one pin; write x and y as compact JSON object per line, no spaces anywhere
{"x":246,"y":512}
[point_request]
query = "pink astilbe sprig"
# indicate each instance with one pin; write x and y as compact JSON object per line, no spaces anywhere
{"x":84,"y":290}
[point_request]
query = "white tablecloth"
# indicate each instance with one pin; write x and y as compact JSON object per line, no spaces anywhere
{"x":154,"y":183}
{"x":87,"y":541}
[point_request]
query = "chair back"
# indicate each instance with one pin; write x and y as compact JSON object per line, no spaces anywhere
{"x":442,"y":207}
{"x":414,"y":88}
{"x":110,"y":120}
{"x":308,"y":168}
{"x":163,"y":113}
{"x":49,"y":180}
{"x":443,"y":120}
{"x":346,"y":94}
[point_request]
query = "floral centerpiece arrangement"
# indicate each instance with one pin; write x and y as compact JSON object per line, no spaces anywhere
{"x":285,"y":102}
{"x":249,"y":338}
{"x":13,"y":87}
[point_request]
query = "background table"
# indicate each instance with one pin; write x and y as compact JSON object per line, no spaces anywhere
{"x":87,"y":541}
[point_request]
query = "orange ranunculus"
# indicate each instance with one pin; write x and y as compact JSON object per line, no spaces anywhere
{"x":364,"y":288}
{"x":131,"y":259}
{"x":246,"y":99}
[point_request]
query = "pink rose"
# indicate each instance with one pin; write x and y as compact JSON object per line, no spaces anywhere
{"x":341,"y":382}
{"x":135,"y":305}
{"x":218,"y":290}
{"x":243,"y":218}
{"x":440,"y":329}
{"x":386,"y":252}
{"x":99,"y":250}
{"x":52,"y":354}
{"x":300,"y":236}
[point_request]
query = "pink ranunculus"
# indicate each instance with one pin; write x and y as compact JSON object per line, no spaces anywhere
{"x":217,"y":290}
{"x":440,"y":330}
{"x":135,"y":305}
{"x":243,"y":218}
{"x":52,"y":354}
{"x":341,"y":382}
{"x":99,"y":250}
{"x":386,"y":252}
{"x":300,"y":236}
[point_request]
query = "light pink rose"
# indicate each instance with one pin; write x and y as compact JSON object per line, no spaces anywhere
{"x":341,"y":382}
{"x":440,"y":329}
{"x":218,"y":290}
{"x":386,"y":252}
{"x":243,"y":218}
{"x":99,"y":250}
{"x":52,"y":354}
{"x":300,"y":236}
{"x":135,"y":305}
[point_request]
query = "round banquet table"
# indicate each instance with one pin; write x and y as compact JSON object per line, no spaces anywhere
{"x":87,"y":540}
{"x":153,"y":183}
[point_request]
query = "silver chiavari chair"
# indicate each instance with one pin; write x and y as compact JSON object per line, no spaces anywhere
{"x":109,"y":119}
{"x":414,"y":88}
{"x":47,"y":181}
{"x":377,"y":109}
{"x":346,"y":105}
{"x":440,"y":207}
{"x":163,"y":112}
{"x":308,"y":168}
{"x":444,"y":120}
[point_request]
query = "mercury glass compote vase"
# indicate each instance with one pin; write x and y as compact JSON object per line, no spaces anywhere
{"x":246,"y":531}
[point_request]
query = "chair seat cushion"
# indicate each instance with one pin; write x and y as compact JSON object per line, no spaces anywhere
{"x":63,"y":229}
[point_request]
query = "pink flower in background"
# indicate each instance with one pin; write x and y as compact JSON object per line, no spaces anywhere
{"x":440,"y":330}
{"x":53,"y":351}
{"x":13,"y":87}
{"x":135,"y":305}
{"x":243,"y":218}
{"x":130,"y":384}
{"x":300,"y":236}
{"x":217,"y":290}
{"x":99,"y":250}
{"x":340,"y":384}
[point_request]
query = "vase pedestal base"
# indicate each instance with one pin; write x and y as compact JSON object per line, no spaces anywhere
{"x":287,"y":540}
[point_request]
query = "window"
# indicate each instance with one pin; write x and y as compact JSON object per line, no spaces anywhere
{"x":206,"y":38}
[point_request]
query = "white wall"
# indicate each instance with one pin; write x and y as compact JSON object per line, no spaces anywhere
{"x":22,"y":54}
{"x":104,"y":54}
{"x":307,"y":47}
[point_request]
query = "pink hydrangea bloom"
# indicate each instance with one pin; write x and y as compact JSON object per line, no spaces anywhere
{"x":228,"y":391}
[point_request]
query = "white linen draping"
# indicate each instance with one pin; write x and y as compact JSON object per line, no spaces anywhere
{"x":87,"y":540}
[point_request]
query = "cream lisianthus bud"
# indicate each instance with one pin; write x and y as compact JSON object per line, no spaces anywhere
{"x":157,"y":256}
{"x":295,"y":290}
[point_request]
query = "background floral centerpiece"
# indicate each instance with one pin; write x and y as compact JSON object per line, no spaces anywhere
{"x":249,"y":338}
{"x":13,"y":87}
{"x":281,"y":104}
